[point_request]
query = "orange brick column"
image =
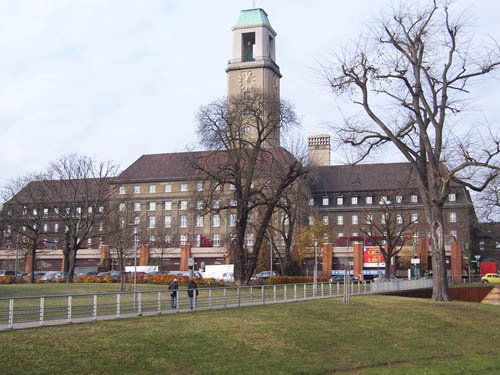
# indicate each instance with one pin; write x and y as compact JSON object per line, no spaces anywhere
{"x":144,"y":255}
{"x":27,"y":263}
{"x":327,"y":259}
{"x":185,"y":255}
{"x":105,"y":257}
{"x":423,"y":254}
{"x":64,"y":261}
{"x":358,"y":261}
{"x":456,"y":261}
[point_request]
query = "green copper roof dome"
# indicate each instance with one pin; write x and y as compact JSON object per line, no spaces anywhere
{"x":253,"y":17}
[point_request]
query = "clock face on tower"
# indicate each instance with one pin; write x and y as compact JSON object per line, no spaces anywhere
{"x":246,"y":80}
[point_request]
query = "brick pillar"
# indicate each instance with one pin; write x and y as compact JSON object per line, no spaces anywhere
{"x":327,"y":259}
{"x":185,"y":255}
{"x":64,"y":261}
{"x":144,"y":255}
{"x":105,"y":257}
{"x":27,"y":263}
{"x":423,"y":254}
{"x":358,"y":261}
{"x":456,"y":261}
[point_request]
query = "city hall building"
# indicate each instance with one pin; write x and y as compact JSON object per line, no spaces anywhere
{"x":164,"y":190}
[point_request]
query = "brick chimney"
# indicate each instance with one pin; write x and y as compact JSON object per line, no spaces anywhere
{"x":319,"y":150}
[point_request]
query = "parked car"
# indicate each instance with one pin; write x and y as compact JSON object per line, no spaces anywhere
{"x":264,"y":275}
{"x":49,"y":276}
{"x":491,"y":278}
{"x":7,"y":273}
{"x":340,"y":279}
{"x":228,"y":277}
{"x":383,"y":278}
{"x":60,"y":275}
{"x":196,"y":274}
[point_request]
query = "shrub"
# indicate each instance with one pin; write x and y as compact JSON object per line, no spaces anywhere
{"x":7,"y":279}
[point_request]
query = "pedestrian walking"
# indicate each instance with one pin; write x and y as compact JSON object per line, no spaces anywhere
{"x":192,"y":292}
{"x":173,"y":287}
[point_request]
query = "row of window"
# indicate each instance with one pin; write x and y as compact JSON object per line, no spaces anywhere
{"x":415,"y":234}
{"x":167,"y":188}
{"x":181,"y":205}
{"x":369,"y":219}
{"x":369,"y":200}
{"x":46,"y":228}
{"x":55,"y":210}
{"x":199,"y":220}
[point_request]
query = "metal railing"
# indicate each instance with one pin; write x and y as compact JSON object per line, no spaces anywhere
{"x":29,"y":312}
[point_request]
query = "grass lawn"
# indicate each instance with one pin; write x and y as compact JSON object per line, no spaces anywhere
{"x":375,"y":335}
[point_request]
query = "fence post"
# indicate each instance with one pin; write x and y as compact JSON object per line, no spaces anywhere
{"x":239,"y":296}
{"x":225,"y":296}
{"x":11,"y":313}
{"x":118,"y":304}
{"x":338,"y":289}
{"x":322,"y":290}
{"x":263,"y":295}
{"x":70,"y":303}
{"x":42,"y":307}
{"x":177,"y":302}
{"x":274,"y":293}
{"x":305,"y":291}
{"x":330,"y":288}
{"x":159,"y":302}
{"x":295,"y":291}
{"x":210,"y":298}
{"x":284,"y":293}
{"x":94,"y":308}
{"x":251,"y":295}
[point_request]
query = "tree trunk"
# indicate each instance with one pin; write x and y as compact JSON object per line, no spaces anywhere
{"x":439,"y":269}
{"x":387,"y":260}
{"x":72,"y":264}
{"x":33,"y":262}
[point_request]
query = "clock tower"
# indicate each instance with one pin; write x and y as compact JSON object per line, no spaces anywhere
{"x":253,"y":64}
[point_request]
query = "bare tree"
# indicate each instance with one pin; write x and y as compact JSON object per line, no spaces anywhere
{"x":80,"y":188}
{"x":418,"y":62}
{"x":240,"y":132}
{"x":388,"y":230}
{"x":25,"y":215}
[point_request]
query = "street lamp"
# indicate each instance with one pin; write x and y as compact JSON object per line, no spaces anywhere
{"x":315,"y":277}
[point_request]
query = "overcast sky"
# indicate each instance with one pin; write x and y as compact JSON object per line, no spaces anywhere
{"x":116,"y":79}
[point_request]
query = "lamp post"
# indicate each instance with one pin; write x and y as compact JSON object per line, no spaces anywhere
{"x":315,"y":277}
{"x":478,"y":264}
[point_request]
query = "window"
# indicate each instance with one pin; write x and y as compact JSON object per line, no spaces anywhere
{"x":151,"y":238}
{"x":453,"y":233}
{"x":251,"y":218}
{"x":151,"y":221}
{"x":340,"y":201}
{"x":45,"y":227}
{"x":89,"y":243}
{"x":369,"y":200}
{"x":382,"y":219}
{"x":137,"y":206}
{"x":183,"y":239}
{"x":452,"y":197}
{"x":482,"y":245}
{"x":232,"y":220}
{"x":137,"y":189}
{"x":340,"y":220}
{"x":183,"y":222}
{"x":167,"y":221}
{"x":89,"y":210}
{"x":369,"y":219}
{"x":56,"y":227}
{"x":152,"y":188}
{"x":101,"y":209}
{"x":151,"y":206}
{"x":246,"y":130}
{"x":340,"y":234}
{"x":355,"y":219}
{"x":216,"y":221}
{"x":453,"y":217}
{"x":217,"y":187}
{"x":355,"y":234}
{"x":384,"y":199}
{"x":78,"y":211}
{"x":414,"y":198}
{"x":184,"y":187}
{"x":101,"y":227}
{"x":414,"y":218}
{"x":326,"y":201}
{"x":250,"y":239}
{"x":311,"y":202}
{"x":246,"y":95}
{"x":168,"y":188}
{"x":232,"y":187}
{"x":497,"y":245}
{"x":199,"y":186}
{"x":137,"y":220}
{"x":121,"y":207}
{"x":199,"y":221}
{"x":216,"y":204}
{"x":216,"y":240}
{"x":198,"y":240}
{"x":167,"y":205}
{"x":121,"y":190}
{"x":399,"y":198}
{"x":122,"y":223}
{"x":325,"y":220}
{"x":199,"y":205}
{"x":399,"y":219}
{"x":354,"y":200}
{"x":46,"y":211}
{"x":311,"y":220}
{"x":56,"y":211}
{"x":183,"y":205}
{"x":286,"y":220}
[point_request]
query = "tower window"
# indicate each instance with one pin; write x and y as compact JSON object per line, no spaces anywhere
{"x":247,"y":46}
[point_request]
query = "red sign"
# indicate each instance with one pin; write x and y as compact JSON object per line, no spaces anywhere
{"x":373,"y":255}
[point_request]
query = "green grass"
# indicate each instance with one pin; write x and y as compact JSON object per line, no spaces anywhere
{"x":375,"y":335}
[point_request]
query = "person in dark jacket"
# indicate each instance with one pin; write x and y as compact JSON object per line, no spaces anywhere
{"x":173,"y":287}
{"x":192,"y":292}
